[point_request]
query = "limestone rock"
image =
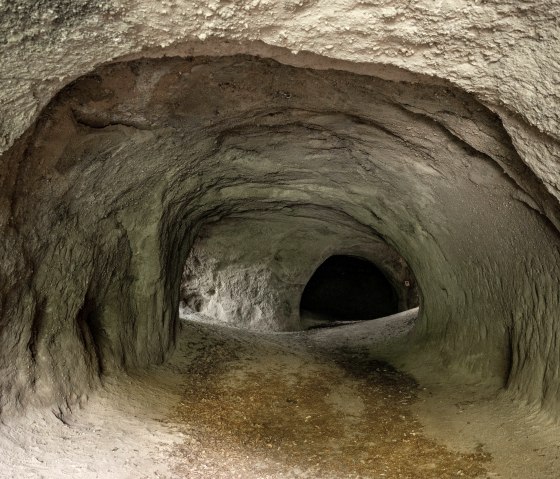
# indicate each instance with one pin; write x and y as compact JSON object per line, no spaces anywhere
{"x":251,"y":271}
{"x":434,"y":128}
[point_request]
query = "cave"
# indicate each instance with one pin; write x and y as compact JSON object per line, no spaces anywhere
{"x":251,"y":271}
{"x":186,"y":192}
{"x":348,"y":288}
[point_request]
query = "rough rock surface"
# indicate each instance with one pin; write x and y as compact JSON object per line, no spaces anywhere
{"x":104,"y":195}
{"x":251,"y":271}
{"x":227,"y":395}
{"x":447,"y":148}
{"x":505,"y":51}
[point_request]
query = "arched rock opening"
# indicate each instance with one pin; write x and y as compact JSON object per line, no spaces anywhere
{"x":349,"y":288}
{"x":249,"y":271}
{"x":107,"y":192}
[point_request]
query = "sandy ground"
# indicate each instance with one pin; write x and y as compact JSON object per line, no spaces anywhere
{"x":317,"y":404}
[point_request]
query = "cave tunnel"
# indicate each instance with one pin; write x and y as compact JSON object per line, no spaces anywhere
{"x":169,"y":216}
{"x":348,"y":288}
{"x":269,"y":273}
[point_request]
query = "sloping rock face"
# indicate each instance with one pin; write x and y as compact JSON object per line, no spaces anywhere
{"x":104,"y":188}
{"x":251,"y":271}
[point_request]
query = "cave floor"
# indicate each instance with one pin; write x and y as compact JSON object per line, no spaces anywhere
{"x":316,"y":404}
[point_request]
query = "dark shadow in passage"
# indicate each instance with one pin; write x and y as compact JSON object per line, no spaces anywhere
{"x":349,"y":288}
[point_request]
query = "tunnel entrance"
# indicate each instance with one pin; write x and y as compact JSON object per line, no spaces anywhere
{"x":248,"y":271}
{"x":348,"y":288}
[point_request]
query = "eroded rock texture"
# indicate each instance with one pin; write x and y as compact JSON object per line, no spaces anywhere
{"x":251,"y":271}
{"x":102,"y":199}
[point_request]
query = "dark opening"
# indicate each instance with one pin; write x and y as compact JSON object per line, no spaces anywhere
{"x":348,"y":288}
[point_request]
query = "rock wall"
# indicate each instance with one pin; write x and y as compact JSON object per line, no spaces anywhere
{"x":505,"y":52}
{"x":250,"y":271}
{"x":104,"y":187}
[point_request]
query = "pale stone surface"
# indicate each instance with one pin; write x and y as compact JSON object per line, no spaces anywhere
{"x":250,"y":271}
{"x":101,"y":198}
{"x":174,"y":421}
{"x":105,"y":196}
{"x":505,"y":52}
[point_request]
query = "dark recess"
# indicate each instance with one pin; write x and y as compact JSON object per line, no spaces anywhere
{"x":349,"y":288}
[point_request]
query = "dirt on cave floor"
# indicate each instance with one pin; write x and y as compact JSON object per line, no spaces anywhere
{"x":316,"y":404}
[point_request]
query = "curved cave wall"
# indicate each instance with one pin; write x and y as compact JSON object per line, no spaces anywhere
{"x":250,"y":271}
{"x":103,"y":197}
